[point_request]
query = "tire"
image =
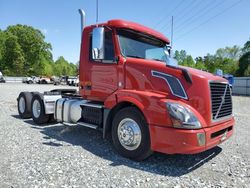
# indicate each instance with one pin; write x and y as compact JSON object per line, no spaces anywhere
{"x":38,"y":110}
{"x":30,"y":82}
{"x":52,"y":119}
{"x":43,"y":82}
{"x":123,"y":120}
{"x":24,"y":105}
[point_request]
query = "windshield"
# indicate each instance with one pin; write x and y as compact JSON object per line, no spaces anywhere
{"x":139,"y":45}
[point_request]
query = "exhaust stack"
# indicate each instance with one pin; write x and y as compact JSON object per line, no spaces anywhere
{"x":82,"y":13}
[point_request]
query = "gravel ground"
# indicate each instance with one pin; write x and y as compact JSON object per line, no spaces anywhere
{"x":60,"y":156}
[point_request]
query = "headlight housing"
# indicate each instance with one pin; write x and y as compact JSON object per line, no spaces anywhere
{"x":182,"y":117}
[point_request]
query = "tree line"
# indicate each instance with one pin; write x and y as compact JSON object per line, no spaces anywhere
{"x":24,"y":52}
{"x":232,"y":60}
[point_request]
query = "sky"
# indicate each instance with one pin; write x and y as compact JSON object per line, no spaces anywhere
{"x":199,"y":26}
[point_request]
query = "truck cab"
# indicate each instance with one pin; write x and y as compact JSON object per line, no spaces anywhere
{"x":130,"y":87}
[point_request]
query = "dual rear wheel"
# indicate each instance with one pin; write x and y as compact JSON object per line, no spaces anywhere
{"x":30,"y":105}
{"x":24,"y":104}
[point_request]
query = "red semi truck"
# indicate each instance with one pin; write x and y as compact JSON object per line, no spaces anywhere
{"x":130,"y":87}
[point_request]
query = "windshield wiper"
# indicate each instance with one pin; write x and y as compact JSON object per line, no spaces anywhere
{"x":158,"y":60}
{"x":135,"y":56}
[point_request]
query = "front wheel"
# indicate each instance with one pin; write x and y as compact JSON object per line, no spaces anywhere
{"x":130,"y":134}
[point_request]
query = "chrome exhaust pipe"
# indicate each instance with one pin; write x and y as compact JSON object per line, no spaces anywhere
{"x":82,"y":13}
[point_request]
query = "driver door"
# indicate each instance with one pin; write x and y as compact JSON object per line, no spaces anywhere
{"x":102,"y":74}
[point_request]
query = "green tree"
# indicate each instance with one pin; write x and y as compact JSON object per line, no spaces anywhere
{"x":13,"y":56}
{"x":188,"y":61}
{"x":184,"y":59}
{"x":246,"y":47}
{"x":199,"y":64}
{"x":180,"y":56}
{"x":210,"y":63}
{"x":63,"y":67}
{"x":35,"y":51}
{"x":229,"y":65}
{"x":2,"y":42}
{"x":229,"y":52}
{"x":77,"y":67}
{"x":244,"y":61}
{"x":247,"y":71}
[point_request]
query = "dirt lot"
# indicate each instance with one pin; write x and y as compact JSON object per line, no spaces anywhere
{"x":59,"y":156}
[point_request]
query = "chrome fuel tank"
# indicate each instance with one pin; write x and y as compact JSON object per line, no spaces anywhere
{"x":68,"y":110}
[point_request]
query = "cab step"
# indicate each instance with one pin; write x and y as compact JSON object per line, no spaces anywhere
{"x":92,"y":115}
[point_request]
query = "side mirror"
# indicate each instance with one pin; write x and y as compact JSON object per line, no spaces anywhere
{"x":98,"y":37}
{"x":172,"y":62}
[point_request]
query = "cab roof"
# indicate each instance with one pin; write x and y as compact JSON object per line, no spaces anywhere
{"x":134,"y":26}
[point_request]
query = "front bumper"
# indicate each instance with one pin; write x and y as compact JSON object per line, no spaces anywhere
{"x":183,"y":141}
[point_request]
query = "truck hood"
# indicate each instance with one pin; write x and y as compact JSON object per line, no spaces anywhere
{"x":203,"y":74}
{"x":198,"y":93}
{"x":146,"y":75}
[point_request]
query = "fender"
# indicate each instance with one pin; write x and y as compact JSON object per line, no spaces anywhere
{"x":149,"y":103}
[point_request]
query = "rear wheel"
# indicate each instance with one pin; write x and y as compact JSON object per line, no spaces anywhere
{"x":24,"y":104}
{"x":130,"y":134}
{"x":38,"y":110}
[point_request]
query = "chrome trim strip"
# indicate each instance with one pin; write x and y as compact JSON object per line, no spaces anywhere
{"x":222,"y":102}
{"x":162,"y":77}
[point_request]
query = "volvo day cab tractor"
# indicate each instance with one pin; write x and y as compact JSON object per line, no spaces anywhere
{"x":131,"y":87}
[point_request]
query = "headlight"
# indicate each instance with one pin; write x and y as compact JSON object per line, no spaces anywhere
{"x":182,"y":117}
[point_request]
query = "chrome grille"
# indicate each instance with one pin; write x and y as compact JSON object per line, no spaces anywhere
{"x":221,"y":100}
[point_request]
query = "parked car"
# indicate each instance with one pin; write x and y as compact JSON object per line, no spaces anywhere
{"x":24,"y":80}
{"x":32,"y":80}
{"x":2,"y":80}
{"x":60,"y":80}
{"x":76,"y":83}
{"x":73,"y":81}
{"x":44,"y":80}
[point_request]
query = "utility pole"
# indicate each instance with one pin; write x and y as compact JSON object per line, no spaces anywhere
{"x":172,"y":31}
{"x":97,"y":11}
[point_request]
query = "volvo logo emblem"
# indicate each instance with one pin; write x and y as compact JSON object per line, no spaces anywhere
{"x":222,"y":99}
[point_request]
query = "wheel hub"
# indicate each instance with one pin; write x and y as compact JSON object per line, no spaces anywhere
{"x":129,"y":134}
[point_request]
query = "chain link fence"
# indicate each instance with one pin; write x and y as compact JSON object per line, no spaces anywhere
{"x":241,"y":86}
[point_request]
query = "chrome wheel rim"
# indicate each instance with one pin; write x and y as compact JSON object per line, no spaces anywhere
{"x":129,"y":134}
{"x":36,"y":108}
{"x":21,"y":105}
